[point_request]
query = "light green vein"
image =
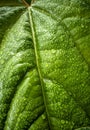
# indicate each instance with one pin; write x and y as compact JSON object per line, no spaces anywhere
{"x":37,"y":62}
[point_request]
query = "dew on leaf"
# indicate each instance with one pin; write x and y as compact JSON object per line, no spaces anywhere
{"x":2,"y":61}
{"x":43,"y":117}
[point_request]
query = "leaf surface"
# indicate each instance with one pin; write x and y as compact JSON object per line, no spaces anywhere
{"x":84,"y":128}
{"x":45,"y":66}
{"x":10,"y":2}
{"x":8,"y":16}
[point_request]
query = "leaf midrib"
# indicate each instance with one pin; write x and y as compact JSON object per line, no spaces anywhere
{"x":37,"y":62}
{"x":36,"y":54}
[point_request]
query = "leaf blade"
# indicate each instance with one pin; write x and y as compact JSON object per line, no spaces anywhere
{"x":64,"y":68}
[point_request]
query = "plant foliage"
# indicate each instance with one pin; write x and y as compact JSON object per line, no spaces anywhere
{"x":45,"y":65}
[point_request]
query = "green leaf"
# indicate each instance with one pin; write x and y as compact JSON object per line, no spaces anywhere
{"x":8,"y":16}
{"x":84,"y":128}
{"x":45,"y":65}
{"x":9,"y":2}
{"x":28,"y":1}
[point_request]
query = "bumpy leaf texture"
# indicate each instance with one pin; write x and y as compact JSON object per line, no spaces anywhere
{"x":83,"y":128}
{"x":45,"y":65}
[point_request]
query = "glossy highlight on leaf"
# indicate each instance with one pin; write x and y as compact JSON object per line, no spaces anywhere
{"x":45,"y":65}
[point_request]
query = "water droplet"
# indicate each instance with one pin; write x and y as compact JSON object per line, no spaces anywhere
{"x":12,"y":53}
{"x":82,"y":26}
{"x":43,"y":117}
{"x":2,"y":61}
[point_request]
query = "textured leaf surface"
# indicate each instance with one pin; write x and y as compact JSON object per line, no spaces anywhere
{"x":45,"y":66}
{"x":84,"y":128}
{"x":8,"y":16}
{"x":10,"y":2}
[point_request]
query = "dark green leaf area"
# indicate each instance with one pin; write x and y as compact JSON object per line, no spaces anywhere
{"x":9,"y":2}
{"x":15,"y":54}
{"x":28,"y":1}
{"x":8,"y":16}
{"x":83,"y":128}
